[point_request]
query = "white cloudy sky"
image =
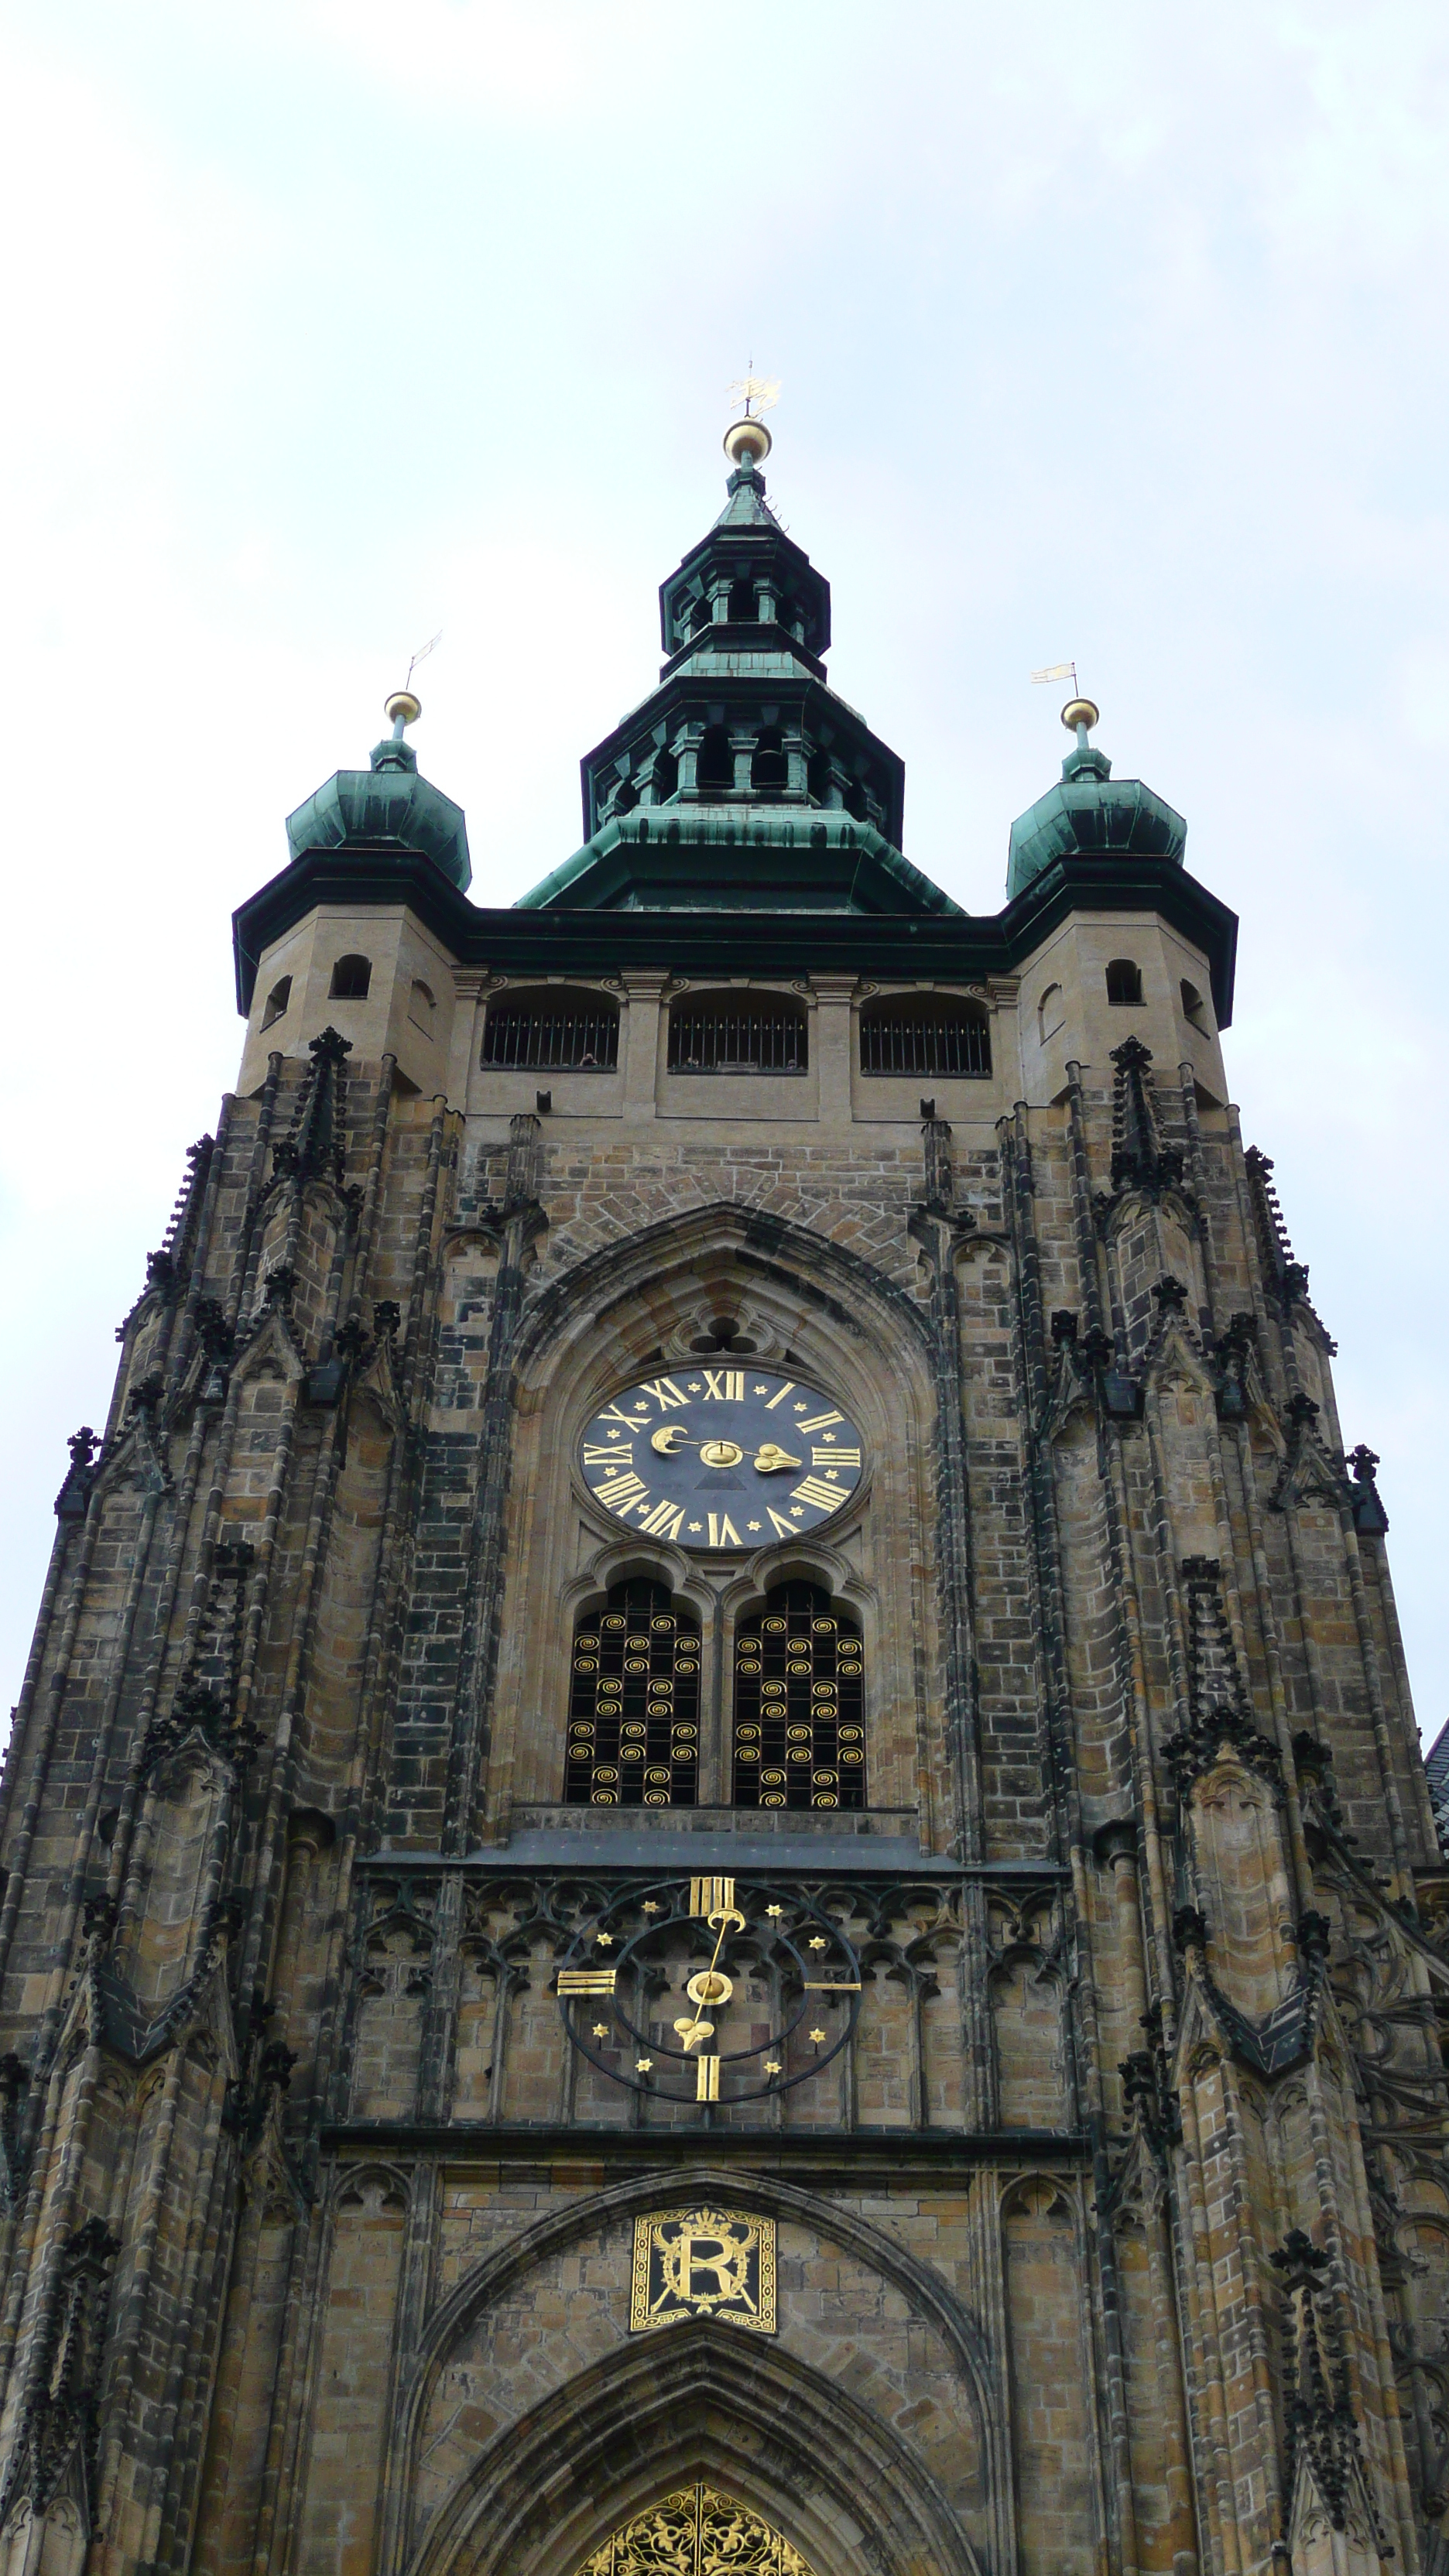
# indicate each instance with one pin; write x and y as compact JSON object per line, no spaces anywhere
{"x":1115,"y":333}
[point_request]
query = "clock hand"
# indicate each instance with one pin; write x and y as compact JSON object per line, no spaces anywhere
{"x":695,"y":2029}
{"x":770,"y":1458}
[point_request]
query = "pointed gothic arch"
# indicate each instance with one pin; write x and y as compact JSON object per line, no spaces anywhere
{"x":667,"y":2412}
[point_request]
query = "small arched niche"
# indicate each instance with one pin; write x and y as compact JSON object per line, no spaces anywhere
{"x":351,"y":979}
{"x":737,"y":1033}
{"x":1051,"y":1012}
{"x":1124,"y":984}
{"x":277,"y":1001}
{"x":1195,"y":1009}
{"x":554,"y":1029}
{"x":422,"y":1003}
{"x":925,"y":1033}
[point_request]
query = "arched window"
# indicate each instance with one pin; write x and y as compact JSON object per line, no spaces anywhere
{"x":555,"y":1031}
{"x":351,"y":978}
{"x":737,"y":1033}
{"x":633,"y":1736}
{"x":767,"y":769}
{"x":799,"y":1730}
{"x":1194,"y":1008}
{"x":925,"y":1033}
{"x":1051,"y":1011}
{"x":664,"y":777}
{"x":744,"y":607}
{"x":277,"y":1000}
{"x":715,"y":769}
{"x":1124,"y":983}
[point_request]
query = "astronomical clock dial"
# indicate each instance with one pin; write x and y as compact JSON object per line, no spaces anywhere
{"x":721,"y":1457}
{"x":701,"y":1990}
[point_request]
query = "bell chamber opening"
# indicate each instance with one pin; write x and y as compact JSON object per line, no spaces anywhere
{"x":696,"y":2531}
{"x":633,"y":1737}
{"x":799,"y":1691}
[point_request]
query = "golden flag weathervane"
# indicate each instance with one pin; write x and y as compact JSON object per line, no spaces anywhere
{"x":756,"y":393}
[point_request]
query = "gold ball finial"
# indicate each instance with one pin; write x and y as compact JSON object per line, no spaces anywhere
{"x":747,"y":439}
{"x":1080,"y":711}
{"x":402,"y":708}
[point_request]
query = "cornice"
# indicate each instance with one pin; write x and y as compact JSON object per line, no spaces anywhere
{"x":956,"y":948}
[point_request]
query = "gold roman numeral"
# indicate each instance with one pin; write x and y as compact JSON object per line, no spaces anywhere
{"x":616,"y":1455}
{"x":620,"y":1493}
{"x":820,"y":1422}
{"x":706,"y":2079}
{"x":586,"y":1981}
{"x":711,"y":1896}
{"x":722,"y":1531}
{"x":787,"y":1389}
{"x":783,"y":1528}
{"x":665,"y":1521}
{"x":840,"y":1986}
{"x":724,"y":1386}
{"x":667,"y":1395}
{"x":813,"y":1489}
{"x":835,"y":1457}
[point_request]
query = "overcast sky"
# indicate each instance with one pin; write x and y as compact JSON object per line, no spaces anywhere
{"x":1116,"y":334}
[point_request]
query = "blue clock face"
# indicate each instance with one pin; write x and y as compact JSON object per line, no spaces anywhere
{"x":721,"y":1458}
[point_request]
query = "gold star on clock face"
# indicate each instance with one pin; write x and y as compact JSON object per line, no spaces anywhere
{"x":604,"y":1939}
{"x":601,"y":2030}
{"x":817,"y":2036}
{"x":817,"y":1943}
{"x":772,"y":2066}
{"x":642,"y":2065}
{"x":774,"y":1912}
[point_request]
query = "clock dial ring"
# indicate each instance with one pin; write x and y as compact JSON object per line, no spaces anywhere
{"x":722,"y":1460}
{"x":827,"y":1977}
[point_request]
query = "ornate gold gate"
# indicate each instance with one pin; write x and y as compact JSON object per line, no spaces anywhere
{"x":696,"y":2532}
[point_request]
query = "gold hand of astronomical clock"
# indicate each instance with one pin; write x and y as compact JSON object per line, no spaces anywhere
{"x":770,"y":1459}
{"x":710,"y":1988}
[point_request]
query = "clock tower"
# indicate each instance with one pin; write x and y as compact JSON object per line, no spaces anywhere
{"x":715,"y":1855}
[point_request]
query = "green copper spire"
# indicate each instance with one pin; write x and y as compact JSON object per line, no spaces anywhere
{"x":1091,"y":815}
{"x":742,"y":782}
{"x":387,"y":803}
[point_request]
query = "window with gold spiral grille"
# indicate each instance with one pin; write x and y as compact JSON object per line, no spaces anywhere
{"x":633,"y":1737}
{"x":696,"y":2531}
{"x":799,"y":1727}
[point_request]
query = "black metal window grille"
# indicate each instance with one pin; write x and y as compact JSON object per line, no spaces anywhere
{"x":718,"y":1037}
{"x":942,"y":1041}
{"x":633,"y":1737}
{"x":799,"y":1727}
{"x":552,"y":1037}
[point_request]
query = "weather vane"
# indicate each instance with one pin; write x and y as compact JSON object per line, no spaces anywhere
{"x":756,"y":393}
{"x":747,"y":442}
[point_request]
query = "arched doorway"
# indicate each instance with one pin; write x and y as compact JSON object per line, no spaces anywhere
{"x":696,"y":2531}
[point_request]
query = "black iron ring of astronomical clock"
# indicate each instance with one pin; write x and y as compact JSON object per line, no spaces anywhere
{"x":717,"y":1458}
{"x":829,"y":1978}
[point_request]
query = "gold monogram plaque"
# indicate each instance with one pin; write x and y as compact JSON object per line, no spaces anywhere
{"x":703,"y":2263}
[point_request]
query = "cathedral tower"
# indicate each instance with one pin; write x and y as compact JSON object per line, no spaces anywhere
{"x":715,"y":1854}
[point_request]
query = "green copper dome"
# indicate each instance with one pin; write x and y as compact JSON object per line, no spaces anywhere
{"x":387,"y":803}
{"x":1092,"y":815}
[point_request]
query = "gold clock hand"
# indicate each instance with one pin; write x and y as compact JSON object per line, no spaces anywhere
{"x":727,"y":1917}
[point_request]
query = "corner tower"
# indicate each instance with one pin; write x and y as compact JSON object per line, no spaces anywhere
{"x":715,"y":1851}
